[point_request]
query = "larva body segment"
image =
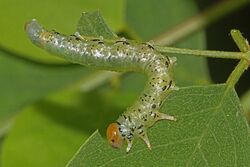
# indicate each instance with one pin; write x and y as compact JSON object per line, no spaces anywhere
{"x":90,"y":52}
{"x":121,"y":55}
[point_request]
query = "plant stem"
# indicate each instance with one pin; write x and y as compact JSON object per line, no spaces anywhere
{"x":206,"y":53}
{"x":243,"y":45}
{"x":199,"y":21}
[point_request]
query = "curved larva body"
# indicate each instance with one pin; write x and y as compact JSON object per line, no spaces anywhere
{"x":120,"y":55}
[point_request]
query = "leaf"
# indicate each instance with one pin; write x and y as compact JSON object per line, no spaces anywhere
{"x":63,"y":131}
{"x":61,"y":15}
{"x":151,"y":18}
{"x":23,"y":82}
{"x":49,"y":132}
{"x":211,"y":131}
{"x":34,"y":80}
{"x":92,"y":24}
{"x":47,"y":140}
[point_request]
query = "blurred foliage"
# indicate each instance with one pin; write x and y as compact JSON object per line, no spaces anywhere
{"x":52,"y":121}
{"x":60,"y":14}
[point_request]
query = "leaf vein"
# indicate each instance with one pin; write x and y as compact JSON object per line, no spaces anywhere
{"x":161,"y":145}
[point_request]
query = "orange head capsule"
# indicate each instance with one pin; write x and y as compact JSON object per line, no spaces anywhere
{"x":114,"y":136}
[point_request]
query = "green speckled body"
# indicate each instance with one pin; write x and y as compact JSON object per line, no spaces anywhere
{"x":121,"y":55}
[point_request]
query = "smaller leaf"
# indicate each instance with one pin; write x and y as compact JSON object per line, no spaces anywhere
{"x":92,"y":24}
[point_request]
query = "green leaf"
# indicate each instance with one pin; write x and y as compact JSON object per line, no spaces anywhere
{"x":23,"y":82}
{"x":61,"y":15}
{"x":92,"y":24}
{"x":47,"y":140}
{"x":151,"y":18}
{"x":49,"y":132}
{"x":211,"y":131}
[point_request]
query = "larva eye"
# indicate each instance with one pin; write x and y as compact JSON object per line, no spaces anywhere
{"x":114,"y":136}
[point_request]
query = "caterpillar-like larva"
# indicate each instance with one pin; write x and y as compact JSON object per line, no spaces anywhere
{"x":120,"y":55}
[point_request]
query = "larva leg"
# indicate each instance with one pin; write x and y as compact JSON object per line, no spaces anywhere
{"x":175,"y":88}
{"x":173,"y":60}
{"x":144,"y":137}
{"x":129,"y":146}
{"x":163,"y":116}
{"x":78,"y":35}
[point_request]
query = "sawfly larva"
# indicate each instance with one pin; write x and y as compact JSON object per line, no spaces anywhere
{"x":121,"y":55}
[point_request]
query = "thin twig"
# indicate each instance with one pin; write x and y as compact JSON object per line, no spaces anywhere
{"x":242,"y":44}
{"x":203,"y":53}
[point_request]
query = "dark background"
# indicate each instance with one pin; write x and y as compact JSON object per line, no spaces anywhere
{"x":218,"y":38}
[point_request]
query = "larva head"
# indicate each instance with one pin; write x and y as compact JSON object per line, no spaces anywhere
{"x":114,"y":136}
